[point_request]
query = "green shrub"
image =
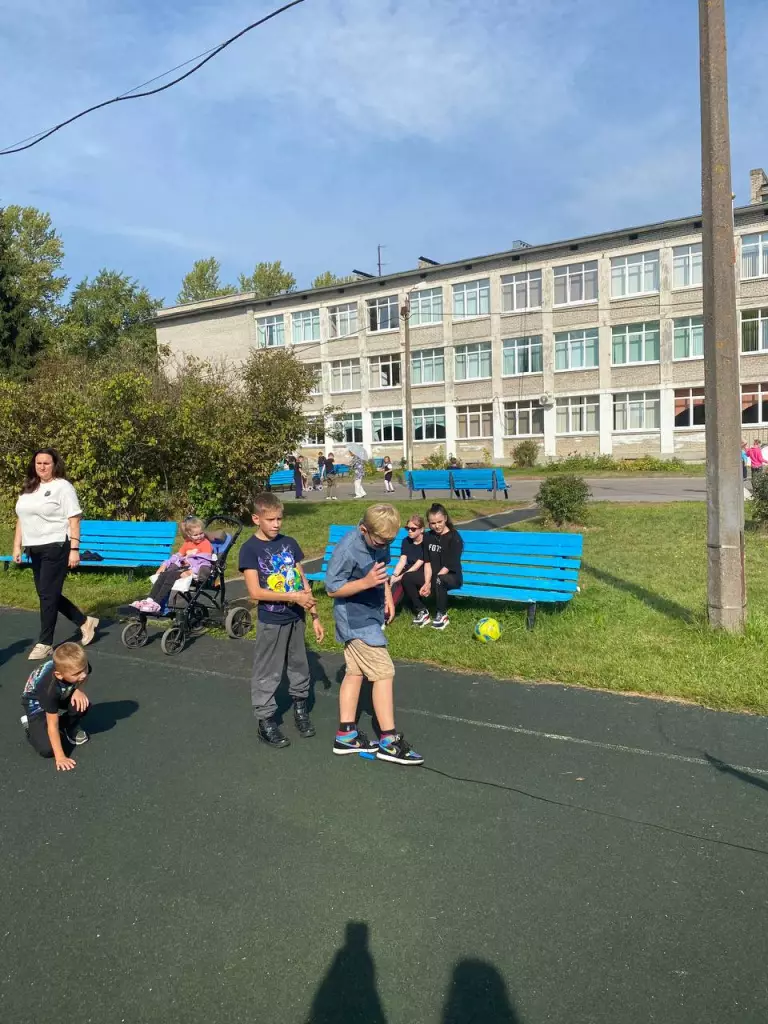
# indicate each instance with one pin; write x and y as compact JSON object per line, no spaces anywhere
{"x":436,"y":460}
{"x":526,"y":454}
{"x":564,"y":499}
{"x":600,"y":463}
{"x":759,"y":501}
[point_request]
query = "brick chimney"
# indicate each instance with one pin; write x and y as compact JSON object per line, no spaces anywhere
{"x":758,"y":186}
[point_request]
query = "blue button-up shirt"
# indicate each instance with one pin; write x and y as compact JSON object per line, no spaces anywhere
{"x":360,"y":617}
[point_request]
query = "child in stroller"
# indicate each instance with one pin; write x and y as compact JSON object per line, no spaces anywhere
{"x":193,"y":558}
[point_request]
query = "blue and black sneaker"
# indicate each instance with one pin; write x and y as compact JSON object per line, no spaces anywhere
{"x":394,"y":748}
{"x":353,"y":743}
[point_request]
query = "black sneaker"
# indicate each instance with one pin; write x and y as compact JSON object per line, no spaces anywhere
{"x":269,"y":733}
{"x":439,"y":621}
{"x":398,"y":751}
{"x":302,"y":719}
{"x":77,"y":736}
{"x":422,"y":619}
{"x":359,"y":742}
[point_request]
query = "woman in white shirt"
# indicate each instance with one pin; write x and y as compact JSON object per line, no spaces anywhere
{"x":48,"y":528}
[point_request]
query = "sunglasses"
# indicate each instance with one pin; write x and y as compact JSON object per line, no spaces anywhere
{"x":412,"y":529}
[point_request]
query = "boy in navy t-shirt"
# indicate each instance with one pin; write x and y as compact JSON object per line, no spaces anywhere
{"x":54,"y":704}
{"x":271,"y":565}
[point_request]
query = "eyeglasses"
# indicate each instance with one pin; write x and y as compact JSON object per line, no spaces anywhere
{"x":412,"y":529}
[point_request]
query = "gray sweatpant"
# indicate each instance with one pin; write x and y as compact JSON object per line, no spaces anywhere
{"x":278,"y":649}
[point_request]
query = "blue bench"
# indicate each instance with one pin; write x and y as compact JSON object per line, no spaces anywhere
{"x":521,"y":568}
{"x":342,"y":470}
{"x":456,"y":480}
{"x":122,"y":545}
{"x":281,"y":478}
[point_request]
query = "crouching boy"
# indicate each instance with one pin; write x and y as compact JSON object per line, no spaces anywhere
{"x":54,"y":704}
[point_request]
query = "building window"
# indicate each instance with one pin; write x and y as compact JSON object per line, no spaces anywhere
{"x":473,"y":362}
{"x":385,"y":371}
{"x":689,"y":337}
{"x":754,"y":256}
{"x":521,"y":291}
{"x":428,"y":366}
{"x":634,"y":275}
{"x":689,"y":407}
{"x":576,"y":282}
{"x":754,"y":330}
{"x":636,"y":343}
{"x":429,"y":424}
{"x":687,"y":266}
{"x":306,"y":326}
{"x":387,"y":426}
{"x":472,"y":298}
{"x":754,"y":404}
{"x":522,"y":355}
{"x":351,"y":426}
{"x":523,"y":419}
{"x":345,"y":375}
{"x":426,"y":306}
{"x":315,"y":432}
{"x":317,"y":370}
{"x":271,"y":331}
{"x":636,"y":410}
{"x":579,"y":414}
{"x":576,"y":350}
{"x":383,"y":313}
{"x":474,"y":421}
{"x":342,"y":320}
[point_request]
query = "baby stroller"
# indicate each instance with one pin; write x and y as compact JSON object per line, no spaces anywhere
{"x":205,"y":603}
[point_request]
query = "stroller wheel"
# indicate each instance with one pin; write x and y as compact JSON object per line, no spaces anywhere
{"x":173,"y":640}
{"x":237,"y":622}
{"x":198,"y":619}
{"x":134,"y":634}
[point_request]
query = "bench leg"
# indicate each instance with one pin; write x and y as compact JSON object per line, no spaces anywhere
{"x":423,"y":496}
{"x":531,"y":617}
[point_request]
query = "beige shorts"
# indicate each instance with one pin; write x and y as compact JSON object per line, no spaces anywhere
{"x":372,"y":662}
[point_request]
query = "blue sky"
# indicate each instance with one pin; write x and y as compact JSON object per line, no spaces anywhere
{"x":444,"y":128}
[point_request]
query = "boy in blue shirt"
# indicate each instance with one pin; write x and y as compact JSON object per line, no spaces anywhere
{"x":356,"y":579}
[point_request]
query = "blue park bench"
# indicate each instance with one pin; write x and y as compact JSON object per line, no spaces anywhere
{"x":458,"y":480}
{"x":122,"y":545}
{"x":281,"y":478}
{"x":523,"y":568}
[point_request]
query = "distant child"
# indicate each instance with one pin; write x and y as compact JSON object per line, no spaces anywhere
{"x":330,"y":478}
{"x":54,"y":704}
{"x":194,"y":554}
{"x":357,"y":581}
{"x":271,"y":565}
{"x":388,"y":469}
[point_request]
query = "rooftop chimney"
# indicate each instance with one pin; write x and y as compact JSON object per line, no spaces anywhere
{"x":758,"y":186}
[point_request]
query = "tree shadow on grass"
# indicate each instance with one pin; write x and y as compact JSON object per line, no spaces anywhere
{"x":728,"y":769}
{"x":667,"y":607}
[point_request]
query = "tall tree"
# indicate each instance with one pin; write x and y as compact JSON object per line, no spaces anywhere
{"x":111,"y":310}
{"x":38,"y":253}
{"x":328,"y":278}
{"x":203,"y":282}
{"x":23,"y":334}
{"x":267,"y":279}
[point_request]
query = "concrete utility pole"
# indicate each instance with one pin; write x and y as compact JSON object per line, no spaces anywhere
{"x":726,"y":589}
{"x":405,"y":313}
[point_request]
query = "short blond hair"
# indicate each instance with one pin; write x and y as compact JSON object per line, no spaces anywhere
{"x":193,"y":523}
{"x":265,"y":502}
{"x":383,"y":521}
{"x":70,"y":660}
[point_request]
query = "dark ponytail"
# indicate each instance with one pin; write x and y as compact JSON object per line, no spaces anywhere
{"x":440,"y":510}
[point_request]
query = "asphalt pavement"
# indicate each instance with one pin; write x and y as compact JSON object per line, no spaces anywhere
{"x":565,"y":856}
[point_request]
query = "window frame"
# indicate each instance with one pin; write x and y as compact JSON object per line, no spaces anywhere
{"x":375,"y":365}
{"x":760,"y":388}
{"x":509,"y":289}
{"x":341,"y":364}
{"x":626,"y":328}
{"x":429,"y":414}
{"x":636,"y":259}
{"x":532,"y":407}
{"x":395,"y":421}
{"x":299,"y":319}
{"x":420,"y":352}
{"x":373,"y":309}
{"x":350,"y":311}
{"x":565,"y":338}
{"x":311,"y":440}
{"x":585,"y":405}
{"x":418,"y":295}
{"x":687,"y":394}
{"x":482,"y":288}
{"x":471,"y":409}
{"x":351,"y":423}
{"x":628,"y":402}
{"x":761,"y":321}
{"x":318,"y":376}
{"x":761,"y":253}
{"x":511,"y":346}
{"x":685,"y":323}
{"x":464,"y":350}
{"x":262,"y":327}
{"x":571,"y":272}
{"x":687,"y":254}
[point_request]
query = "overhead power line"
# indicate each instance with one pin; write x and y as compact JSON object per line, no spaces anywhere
{"x":132,"y":94}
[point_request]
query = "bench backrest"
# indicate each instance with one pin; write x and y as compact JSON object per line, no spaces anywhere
{"x":127,"y":544}
{"x":483,"y":479}
{"x":430,"y":480}
{"x":281,"y":476}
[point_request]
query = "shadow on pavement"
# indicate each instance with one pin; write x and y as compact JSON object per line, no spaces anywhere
{"x":17,"y":647}
{"x":478,"y":995}
{"x":671,"y":609}
{"x":728,"y":769}
{"x":106,"y":714}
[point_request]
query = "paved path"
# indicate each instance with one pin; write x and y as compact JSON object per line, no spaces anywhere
{"x":569,"y":857}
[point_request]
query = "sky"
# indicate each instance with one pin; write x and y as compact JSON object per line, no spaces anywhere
{"x":438,"y":128}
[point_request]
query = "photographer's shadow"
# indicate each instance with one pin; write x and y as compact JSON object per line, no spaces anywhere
{"x":477,"y":994}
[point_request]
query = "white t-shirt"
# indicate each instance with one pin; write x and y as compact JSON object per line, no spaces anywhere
{"x":44,"y":513}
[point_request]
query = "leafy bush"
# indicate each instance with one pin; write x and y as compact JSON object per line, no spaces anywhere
{"x":526,"y":454}
{"x":564,"y":499}
{"x":759,"y":502}
{"x":601,"y":463}
{"x":436,"y":460}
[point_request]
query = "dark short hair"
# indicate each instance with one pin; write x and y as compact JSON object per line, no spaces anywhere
{"x":32,"y":480}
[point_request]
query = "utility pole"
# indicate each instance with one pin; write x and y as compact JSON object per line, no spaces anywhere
{"x":726,"y":588}
{"x":405,"y":313}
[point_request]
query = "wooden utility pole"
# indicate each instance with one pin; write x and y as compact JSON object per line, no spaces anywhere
{"x":726,"y":589}
{"x":405,"y":313}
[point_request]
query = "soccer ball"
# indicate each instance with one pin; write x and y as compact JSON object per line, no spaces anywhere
{"x":487,"y":630}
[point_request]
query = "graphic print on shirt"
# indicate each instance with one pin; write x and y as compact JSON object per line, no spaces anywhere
{"x":280,"y":575}
{"x":29,"y":698}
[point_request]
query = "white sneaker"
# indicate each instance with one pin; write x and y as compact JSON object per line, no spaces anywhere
{"x":88,"y":630}
{"x":40,"y":652}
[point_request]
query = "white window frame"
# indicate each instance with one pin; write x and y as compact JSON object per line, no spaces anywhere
{"x":482,"y":413}
{"x":758,"y":245}
{"x":376,"y":365}
{"x":271,"y":331}
{"x":688,"y":265}
{"x":424,"y":357}
{"x":577,"y":407}
{"x":383,"y":310}
{"x":622,"y":333}
{"x":518,"y":291}
{"x":387,"y":420}
{"x":683,"y":328}
{"x":426,"y":307}
{"x":429,"y":419}
{"x":760,"y":318}
{"x":522,"y":351}
{"x":465,"y":353}
{"x":467,"y":293}
{"x":576,"y":279}
{"x":640,"y":400}
{"x":569,"y":341}
{"x":761,"y":391}
{"x":317,"y":368}
{"x":317,"y":439}
{"x":351,"y":423}
{"x":526,"y":408}
{"x":343,"y":315}
{"x":342,"y":367}
{"x":300,"y":321}
{"x":621,"y":275}
{"x":690,"y":396}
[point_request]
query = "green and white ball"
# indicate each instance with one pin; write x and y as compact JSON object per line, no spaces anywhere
{"x":487,"y":630}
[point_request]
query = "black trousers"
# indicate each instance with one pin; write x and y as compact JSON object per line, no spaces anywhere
{"x":37,"y":729}
{"x":413,"y":581}
{"x":163,"y":586}
{"x":49,"y":568}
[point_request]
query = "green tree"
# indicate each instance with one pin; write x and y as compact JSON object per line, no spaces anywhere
{"x":23,"y":334}
{"x":108,"y":312}
{"x":267,"y":279}
{"x":203,"y":282}
{"x":328,"y":278}
{"x":38,"y":253}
